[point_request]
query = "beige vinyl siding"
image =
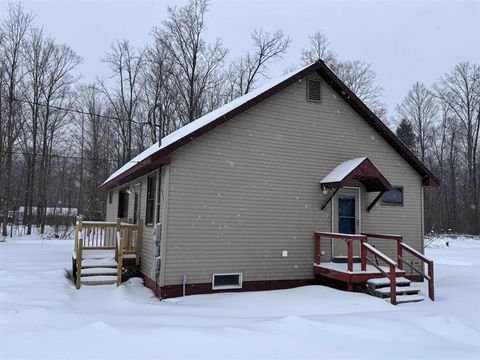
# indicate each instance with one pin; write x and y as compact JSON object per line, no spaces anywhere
{"x":247,"y":190}
{"x":139,"y":184}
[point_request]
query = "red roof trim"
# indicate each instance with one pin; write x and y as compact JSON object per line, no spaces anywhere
{"x":428,"y":179}
{"x":367,"y":174}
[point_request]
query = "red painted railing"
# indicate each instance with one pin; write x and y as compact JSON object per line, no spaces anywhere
{"x":402,"y":246}
{"x":430,"y":276}
{"x":397,"y":238}
{"x":366,"y":248}
{"x":349,"y":238}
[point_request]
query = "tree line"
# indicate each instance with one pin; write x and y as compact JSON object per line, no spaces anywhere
{"x":60,"y":137}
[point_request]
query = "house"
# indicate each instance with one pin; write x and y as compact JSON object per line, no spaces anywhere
{"x":274,"y":190}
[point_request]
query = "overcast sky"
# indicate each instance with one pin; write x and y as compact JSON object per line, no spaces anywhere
{"x":405,"y":41}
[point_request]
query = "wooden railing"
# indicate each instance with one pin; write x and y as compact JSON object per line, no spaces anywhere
{"x":124,"y":238}
{"x":96,"y":235}
{"x":401,"y":261}
{"x":348,"y":238}
{"x":397,"y":238}
{"x":430,"y":276}
{"x":368,"y":248}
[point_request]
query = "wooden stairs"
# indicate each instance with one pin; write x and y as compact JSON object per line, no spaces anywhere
{"x":99,"y":267}
{"x":380,"y":287}
{"x":388,"y":281}
{"x":102,"y":249}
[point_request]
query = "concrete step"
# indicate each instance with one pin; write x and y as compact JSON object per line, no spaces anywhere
{"x":381,"y":282}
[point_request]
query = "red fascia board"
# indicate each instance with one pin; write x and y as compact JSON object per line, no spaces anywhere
{"x":428,"y":179}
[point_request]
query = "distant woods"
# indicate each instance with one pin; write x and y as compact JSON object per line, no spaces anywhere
{"x":441,"y":124}
{"x":60,"y":137}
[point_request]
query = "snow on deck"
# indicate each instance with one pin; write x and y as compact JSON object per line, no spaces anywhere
{"x":42,"y":315}
{"x":343,"y":267}
{"x":342,"y":170}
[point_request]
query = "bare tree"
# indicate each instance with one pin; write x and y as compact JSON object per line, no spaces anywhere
{"x":420,"y":109}
{"x":37,"y":54}
{"x":124,"y":97}
{"x":460,"y":91}
{"x":319,"y":49}
{"x":245,"y":71}
{"x":58,"y":82}
{"x":14,"y":30}
{"x":356,"y":74}
{"x":197,"y":64}
{"x":159,"y":91}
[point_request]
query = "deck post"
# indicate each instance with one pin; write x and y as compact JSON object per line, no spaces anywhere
{"x":138,"y":243}
{"x":316,"y":239}
{"x":399,"y":253}
{"x":350,"y":254}
{"x":363,"y":254}
{"x":431,"y":290}
{"x":120,"y":258}
{"x":393,"y":285}
{"x":75,"y":237}
{"x":79,"y":261}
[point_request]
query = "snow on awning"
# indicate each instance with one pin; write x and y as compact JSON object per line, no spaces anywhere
{"x":360,"y":169}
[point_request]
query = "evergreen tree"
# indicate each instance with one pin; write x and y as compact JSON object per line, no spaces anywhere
{"x":406,"y":134}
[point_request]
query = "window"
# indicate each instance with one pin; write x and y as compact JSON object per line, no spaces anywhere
{"x":393,"y":196}
{"x":150,"y":200}
{"x":159,"y":195}
{"x":227,"y":281}
{"x":313,"y":90}
{"x":110,"y":196}
{"x":123,"y":203}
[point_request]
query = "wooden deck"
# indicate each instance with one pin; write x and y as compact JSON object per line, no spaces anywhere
{"x":340,"y":272}
{"x":373,"y":263}
{"x":103,"y":249}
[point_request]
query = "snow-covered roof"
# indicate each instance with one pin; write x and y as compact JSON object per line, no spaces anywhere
{"x":217,"y":117}
{"x":186,"y":130}
{"x":342,"y":170}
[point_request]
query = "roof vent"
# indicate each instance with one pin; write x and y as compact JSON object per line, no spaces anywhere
{"x":313,"y":90}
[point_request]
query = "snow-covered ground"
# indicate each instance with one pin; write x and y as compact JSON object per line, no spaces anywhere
{"x":42,"y":315}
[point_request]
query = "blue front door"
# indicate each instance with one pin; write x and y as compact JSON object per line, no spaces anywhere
{"x":346,"y":214}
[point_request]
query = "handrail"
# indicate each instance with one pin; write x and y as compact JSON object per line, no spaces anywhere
{"x":97,"y":235}
{"x":429,"y":262}
{"x":392,"y":276}
{"x":347,"y":237}
{"x":421,"y":273}
{"x":397,"y":238}
{"x":384,"y":236}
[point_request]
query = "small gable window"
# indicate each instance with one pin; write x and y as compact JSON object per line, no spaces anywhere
{"x":110,"y":196}
{"x":313,"y":90}
{"x":393,"y":196}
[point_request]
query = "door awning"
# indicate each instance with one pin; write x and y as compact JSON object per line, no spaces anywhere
{"x":360,"y":169}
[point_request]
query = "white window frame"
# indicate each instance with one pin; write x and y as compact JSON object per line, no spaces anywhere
{"x":225,"y":287}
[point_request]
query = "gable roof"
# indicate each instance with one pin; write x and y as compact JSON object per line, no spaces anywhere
{"x":157,"y":155}
{"x":360,"y":169}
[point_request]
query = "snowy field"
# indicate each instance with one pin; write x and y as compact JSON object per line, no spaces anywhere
{"x":42,"y":315}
